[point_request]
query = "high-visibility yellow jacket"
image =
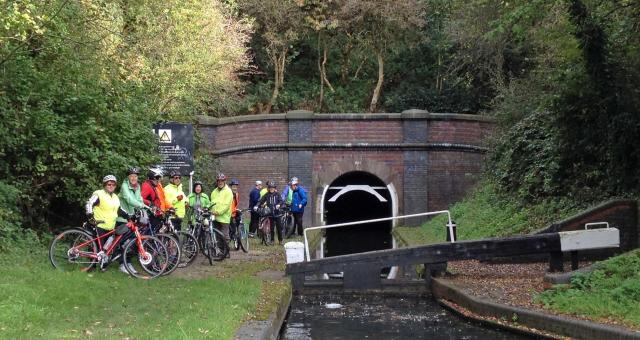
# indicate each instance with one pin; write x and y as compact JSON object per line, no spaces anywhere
{"x":221,"y":200}
{"x":171,"y":194}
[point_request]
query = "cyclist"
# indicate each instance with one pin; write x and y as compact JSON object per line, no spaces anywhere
{"x":273,"y":200}
{"x":236,"y":198}
{"x":103,"y":209}
{"x":196,"y":200}
{"x":296,"y":197}
{"x":130,"y":197}
{"x":254,"y":197}
{"x":221,"y":199}
{"x":176,"y":197}
{"x":151,"y":197}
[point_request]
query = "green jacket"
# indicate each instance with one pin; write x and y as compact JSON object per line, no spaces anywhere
{"x":130,"y":198}
{"x":204,"y":203}
{"x":221,"y":200}
{"x":171,"y":193}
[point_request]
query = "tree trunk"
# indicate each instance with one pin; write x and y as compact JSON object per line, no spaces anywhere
{"x":321,"y":97}
{"x":376,"y":91}
{"x":322,"y":69}
{"x":278,"y":59}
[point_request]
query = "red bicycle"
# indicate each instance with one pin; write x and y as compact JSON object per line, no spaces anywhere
{"x":144,"y":256}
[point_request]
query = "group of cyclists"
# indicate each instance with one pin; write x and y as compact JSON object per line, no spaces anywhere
{"x":107,"y":210}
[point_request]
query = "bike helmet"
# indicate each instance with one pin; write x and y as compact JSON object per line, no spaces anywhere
{"x":109,"y":178}
{"x":195,"y":184}
{"x":154,"y":172}
{"x":133,"y":170}
{"x":175,"y":173}
{"x":294,"y":180}
{"x":271,"y":184}
{"x":221,"y":177}
{"x":234,"y":182}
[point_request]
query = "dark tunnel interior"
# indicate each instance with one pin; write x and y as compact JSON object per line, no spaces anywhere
{"x":353,"y":206}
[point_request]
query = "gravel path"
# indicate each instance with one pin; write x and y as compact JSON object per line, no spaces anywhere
{"x":510,"y":284}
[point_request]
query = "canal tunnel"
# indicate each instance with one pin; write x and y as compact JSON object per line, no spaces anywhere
{"x":355,"y":196}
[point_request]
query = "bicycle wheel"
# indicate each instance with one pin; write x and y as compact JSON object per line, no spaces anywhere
{"x":189,"y":248}
{"x":149,"y":260}
{"x":243,"y":238}
{"x":262,"y":226}
{"x":289,"y":226}
{"x":208,"y":248}
{"x":265,"y":226}
{"x":174,"y":249}
{"x":220,"y":247}
{"x":72,"y":250}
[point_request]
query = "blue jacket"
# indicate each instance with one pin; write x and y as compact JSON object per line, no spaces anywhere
{"x":254,"y":197}
{"x":299,"y":197}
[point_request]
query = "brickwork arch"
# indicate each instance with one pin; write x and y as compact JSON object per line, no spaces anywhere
{"x":430,"y":159}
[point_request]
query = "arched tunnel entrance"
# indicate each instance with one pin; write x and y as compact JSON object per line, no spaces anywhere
{"x":355,"y":196}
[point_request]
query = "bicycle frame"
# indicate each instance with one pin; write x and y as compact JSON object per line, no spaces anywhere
{"x":114,"y":244}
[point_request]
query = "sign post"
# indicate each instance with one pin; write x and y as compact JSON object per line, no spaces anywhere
{"x":175,"y":145}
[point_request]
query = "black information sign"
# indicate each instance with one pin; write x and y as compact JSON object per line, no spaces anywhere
{"x":175,"y":144}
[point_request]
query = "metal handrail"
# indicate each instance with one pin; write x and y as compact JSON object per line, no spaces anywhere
{"x":587,"y":225}
{"x":431,"y":213}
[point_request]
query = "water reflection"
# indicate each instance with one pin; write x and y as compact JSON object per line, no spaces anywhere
{"x":379,"y":317}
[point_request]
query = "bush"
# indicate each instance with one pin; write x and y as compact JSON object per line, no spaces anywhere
{"x":12,"y":236}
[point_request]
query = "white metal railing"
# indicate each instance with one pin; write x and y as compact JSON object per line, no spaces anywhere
{"x":450,"y":225}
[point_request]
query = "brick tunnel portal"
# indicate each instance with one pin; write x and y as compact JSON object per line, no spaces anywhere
{"x":355,"y":196}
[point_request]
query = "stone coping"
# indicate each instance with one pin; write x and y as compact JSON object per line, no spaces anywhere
{"x":580,"y":329}
{"x":557,"y":226}
{"x":306,"y":115}
{"x":351,"y":146}
{"x":267,"y":329}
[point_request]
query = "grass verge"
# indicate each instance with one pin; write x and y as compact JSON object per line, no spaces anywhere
{"x":611,"y":292}
{"x":484,"y":214}
{"x":40,"y":301}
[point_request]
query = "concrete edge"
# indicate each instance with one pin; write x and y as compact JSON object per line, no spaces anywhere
{"x":267,"y":329}
{"x":488,"y":323}
{"x":555,"y":324}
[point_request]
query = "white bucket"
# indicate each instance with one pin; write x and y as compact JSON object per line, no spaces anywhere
{"x":294,"y":252}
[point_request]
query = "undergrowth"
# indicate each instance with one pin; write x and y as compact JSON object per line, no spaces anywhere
{"x":612,"y":291}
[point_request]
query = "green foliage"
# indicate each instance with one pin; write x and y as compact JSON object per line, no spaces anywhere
{"x":12,"y":236}
{"x":487,"y":213}
{"x":81,"y":84}
{"x":610,"y":291}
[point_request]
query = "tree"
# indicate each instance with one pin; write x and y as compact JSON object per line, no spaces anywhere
{"x":320,"y":16}
{"x":279,"y":23}
{"x":380,"y":26}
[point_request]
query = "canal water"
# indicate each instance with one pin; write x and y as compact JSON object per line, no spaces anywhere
{"x":379,"y":317}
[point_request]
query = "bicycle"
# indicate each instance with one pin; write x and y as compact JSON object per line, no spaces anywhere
{"x":264,"y":225}
{"x":287,"y":221}
{"x":187,"y":244}
{"x":81,"y":248}
{"x":210,"y":239}
{"x":238,"y":232}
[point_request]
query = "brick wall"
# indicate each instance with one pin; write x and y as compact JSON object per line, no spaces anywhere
{"x":450,"y":175}
{"x":453,"y":131}
{"x":360,"y":131}
{"x":249,"y":167}
{"x":250,"y":133}
{"x":424,"y":178}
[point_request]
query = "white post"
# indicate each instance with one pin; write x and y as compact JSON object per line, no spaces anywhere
{"x":191,"y":181}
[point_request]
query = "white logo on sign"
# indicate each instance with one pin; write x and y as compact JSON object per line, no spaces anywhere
{"x":165,"y":136}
